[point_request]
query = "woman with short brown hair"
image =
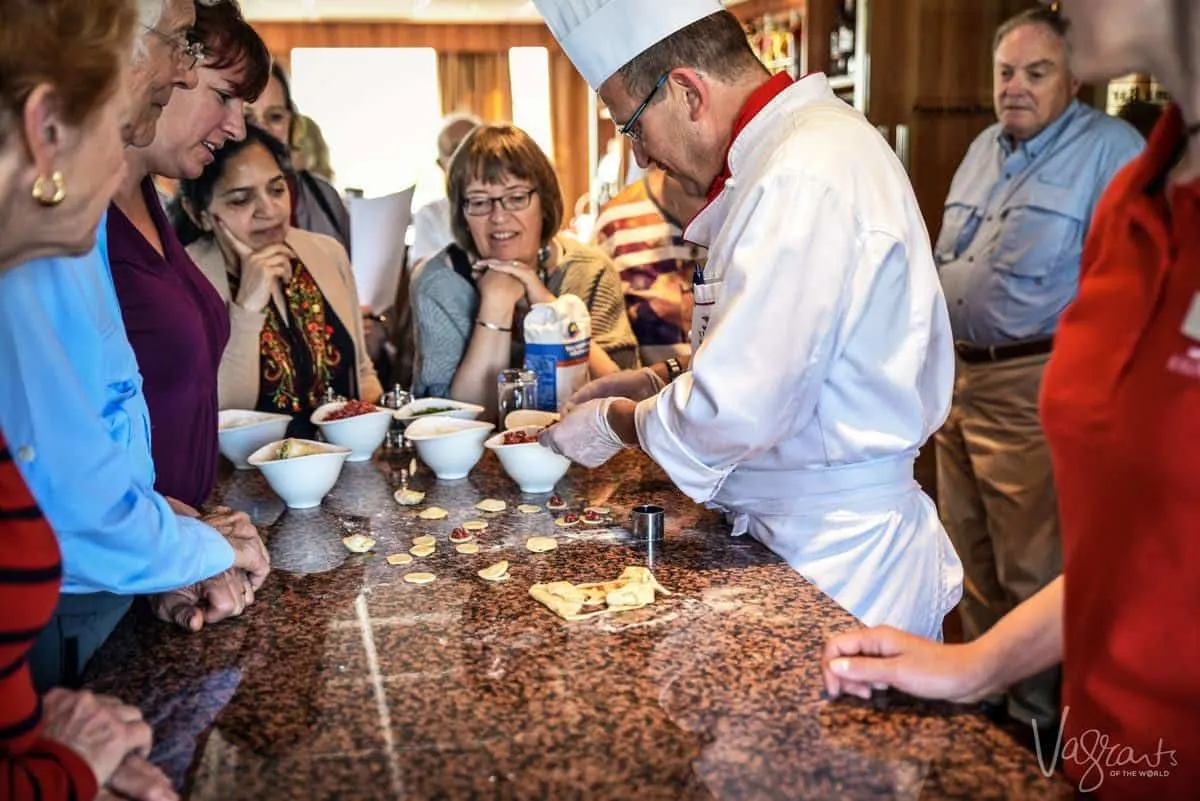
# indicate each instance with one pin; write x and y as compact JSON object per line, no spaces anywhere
{"x":469,"y":300}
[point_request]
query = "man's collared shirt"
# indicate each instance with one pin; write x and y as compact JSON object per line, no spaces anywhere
{"x":72,"y":410}
{"x":1015,"y":221}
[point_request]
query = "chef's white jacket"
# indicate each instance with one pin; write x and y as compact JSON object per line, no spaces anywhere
{"x":822,"y":361}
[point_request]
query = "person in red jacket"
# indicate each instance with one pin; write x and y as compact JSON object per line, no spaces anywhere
{"x":64,"y":109}
{"x":1120,"y":405}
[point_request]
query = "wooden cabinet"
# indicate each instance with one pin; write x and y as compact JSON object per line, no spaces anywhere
{"x":923,"y":75}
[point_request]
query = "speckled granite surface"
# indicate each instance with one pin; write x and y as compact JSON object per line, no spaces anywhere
{"x":344,"y":682}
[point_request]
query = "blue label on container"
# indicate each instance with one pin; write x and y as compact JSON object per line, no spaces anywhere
{"x":558,"y":367}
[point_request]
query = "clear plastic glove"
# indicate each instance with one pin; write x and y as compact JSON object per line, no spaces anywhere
{"x":584,"y":435}
{"x":637,"y":385}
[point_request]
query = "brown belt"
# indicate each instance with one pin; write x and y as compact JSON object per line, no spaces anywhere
{"x":979,"y":354}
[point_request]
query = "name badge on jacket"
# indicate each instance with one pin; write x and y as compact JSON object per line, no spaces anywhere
{"x":704,"y":297}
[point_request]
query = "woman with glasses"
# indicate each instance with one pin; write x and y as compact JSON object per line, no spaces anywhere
{"x":1120,"y":403}
{"x":295,"y":327}
{"x":176,"y":322}
{"x":470,"y":299}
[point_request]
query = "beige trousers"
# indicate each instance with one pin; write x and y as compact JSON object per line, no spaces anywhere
{"x":997,"y":501}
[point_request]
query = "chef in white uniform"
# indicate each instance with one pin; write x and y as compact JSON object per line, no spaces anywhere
{"x":822,"y":350}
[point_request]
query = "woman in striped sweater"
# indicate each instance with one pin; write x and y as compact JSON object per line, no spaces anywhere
{"x":63,"y":106}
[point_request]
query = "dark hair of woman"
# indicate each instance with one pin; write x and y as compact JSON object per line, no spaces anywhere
{"x":229,"y":40}
{"x":195,"y":195}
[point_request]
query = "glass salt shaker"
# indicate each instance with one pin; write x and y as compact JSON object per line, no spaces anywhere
{"x":396,"y":398}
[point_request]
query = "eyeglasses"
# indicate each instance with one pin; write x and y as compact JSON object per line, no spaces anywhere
{"x":187,"y":53}
{"x":513,"y":201}
{"x":627,"y":128}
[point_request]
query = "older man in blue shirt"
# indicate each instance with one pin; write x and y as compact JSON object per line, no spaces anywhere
{"x":72,"y":409}
{"x":1009,"y":251}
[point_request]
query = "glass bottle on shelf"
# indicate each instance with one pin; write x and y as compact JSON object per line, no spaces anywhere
{"x":841,"y":41}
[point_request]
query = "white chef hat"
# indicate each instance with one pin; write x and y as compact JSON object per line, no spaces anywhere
{"x":602,"y":36}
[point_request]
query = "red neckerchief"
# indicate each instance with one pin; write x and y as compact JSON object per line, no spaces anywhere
{"x":754,"y":104}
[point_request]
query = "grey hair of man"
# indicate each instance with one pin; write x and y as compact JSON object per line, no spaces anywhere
{"x":455,"y":128}
{"x":715,"y":45}
{"x":1046,"y":17}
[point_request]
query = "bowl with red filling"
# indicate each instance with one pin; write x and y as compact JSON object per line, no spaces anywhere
{"x":535,"y":468}
{"x":353,"y":424}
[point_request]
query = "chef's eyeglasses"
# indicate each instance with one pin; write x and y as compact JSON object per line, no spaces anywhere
{"x":628,"y":128}
{"x":187,"y":52}
{"x":513,"y":201}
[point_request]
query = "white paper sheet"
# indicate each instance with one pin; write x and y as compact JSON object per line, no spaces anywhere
{"x":377,"y":229}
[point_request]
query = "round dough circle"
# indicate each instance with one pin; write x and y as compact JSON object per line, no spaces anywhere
{"x":528,"y":509}
{"x":424,"y":540}
{"x":474,"y":525}
{"x":491,"y":505}
{"x":358,"y":543}
{"x":496,"y":572}
{"x":421,"y":550}
{"x":541,"y":544}
{"x":467,"y":547}
{"x":419,"y":578}
{"x":562,"y":522}
{"x":433,"y":513}
{"x":399,"y":559}
{"x":408,"y":497}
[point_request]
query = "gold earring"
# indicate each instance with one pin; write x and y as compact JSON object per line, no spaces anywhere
{"x":42,"y":187}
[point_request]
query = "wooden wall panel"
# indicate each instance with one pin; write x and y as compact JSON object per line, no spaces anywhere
{"x":931,"y":70}
{"x":281,"y":37}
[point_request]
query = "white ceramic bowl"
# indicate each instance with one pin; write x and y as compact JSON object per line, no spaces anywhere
{"x":448,"y":445}
{"x":437,"y":407}
{"x":301,"y":481}
{"x":529,"y":417}
{"x":362,"y":434}
{"x":535,"y":468}
{"x":241,"y":432}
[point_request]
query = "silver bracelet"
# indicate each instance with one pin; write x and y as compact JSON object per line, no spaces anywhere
{"x":493,"y":326}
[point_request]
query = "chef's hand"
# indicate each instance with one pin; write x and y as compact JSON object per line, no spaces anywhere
{"x":535,"y":290}
{"x":637,"y":385}
{"x":857,"y":661}
{"x":585,"y":435}
{"x":249,"y":552}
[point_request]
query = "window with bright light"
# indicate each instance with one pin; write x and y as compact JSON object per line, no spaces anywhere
{"x":379,"y":110}
{"x":529,"y":72}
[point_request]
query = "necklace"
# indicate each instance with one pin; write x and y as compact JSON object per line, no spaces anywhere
{"x":543,"y":260}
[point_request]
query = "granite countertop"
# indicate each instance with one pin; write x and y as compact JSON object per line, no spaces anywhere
{"x":345,"y":682}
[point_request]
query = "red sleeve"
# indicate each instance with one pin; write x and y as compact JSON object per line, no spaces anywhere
{"x":30,"y":572}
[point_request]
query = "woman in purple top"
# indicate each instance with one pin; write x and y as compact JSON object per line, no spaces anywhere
{"x":176,"y":322}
